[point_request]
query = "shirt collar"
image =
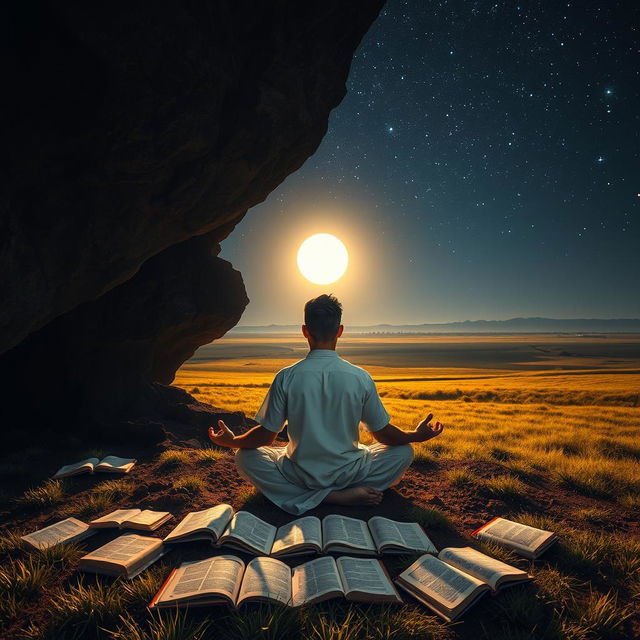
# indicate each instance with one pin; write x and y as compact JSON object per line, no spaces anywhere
{"x":322,"y":353}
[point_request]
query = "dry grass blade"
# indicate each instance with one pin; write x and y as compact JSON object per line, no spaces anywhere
{"x":173,"y":458}
{"x":49,"y":493}
{"x":191,"y":484}
{"x":174,"y":625}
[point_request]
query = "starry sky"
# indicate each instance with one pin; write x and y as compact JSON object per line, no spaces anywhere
{"x":485,"y":164}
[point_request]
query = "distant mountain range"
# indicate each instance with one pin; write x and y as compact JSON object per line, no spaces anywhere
{"x":514,"y":325}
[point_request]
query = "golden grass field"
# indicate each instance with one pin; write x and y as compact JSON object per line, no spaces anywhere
{"x":541,"y":429}
{"x":566,"y":405}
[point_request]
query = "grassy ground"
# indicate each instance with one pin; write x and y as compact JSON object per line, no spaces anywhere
{"x":582,"y":426}
{"x":575,"y":424}
{"x":553,"y":443}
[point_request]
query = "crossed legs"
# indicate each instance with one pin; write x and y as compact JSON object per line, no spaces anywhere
{"x":387,"y":468}
{"x":259,"y":466}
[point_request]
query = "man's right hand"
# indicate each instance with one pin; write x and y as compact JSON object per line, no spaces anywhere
{"x":425,"y":430}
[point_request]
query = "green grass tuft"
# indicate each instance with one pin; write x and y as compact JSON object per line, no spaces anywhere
{"x":593,"y":515}
{"x":586,"y":483}
{"x":89,"y":506}
{"x":83,"y":609}
{"x":248,"y":495}
{"x":209,"y":455}
{"x":10,"y":542}
{"x":21,"y":580}
{"x":462,"y":478}
{"x":25,"y":577}
{"x":424,"y":458}
{"x":505,"y":487}
{"x":502,"y":455}
{"x":430,"y":518}
{"x":349,"y":627}
{"x":502,"y":553}
{"x":142,"y":588}
{"x":191,"y":484}
{"x":267,"y":622}
{"x":60,"y":554}
{"x":49,"y":493}
{"x":416,"y":623}
{"x":555,"y":587}
{"x":630,"y":500}
{"x":115,"y":488}
{"x":599,"y":616}
{"x":174,"y":625}
{"x":522,"y":615}
{"x":173,"y":458}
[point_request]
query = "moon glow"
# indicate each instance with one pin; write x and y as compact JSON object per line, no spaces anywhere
{"x":322,"y":258}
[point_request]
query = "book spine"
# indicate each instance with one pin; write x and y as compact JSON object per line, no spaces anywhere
{"x":152,"y":604}
{"x":475,"y":533}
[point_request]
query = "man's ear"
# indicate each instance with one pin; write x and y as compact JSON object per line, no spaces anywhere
{"x":305,"y":331}
{"x":340,"y":330}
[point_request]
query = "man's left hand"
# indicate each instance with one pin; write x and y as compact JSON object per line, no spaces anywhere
{"x":224,"y":437}
{"x":425,"y":430}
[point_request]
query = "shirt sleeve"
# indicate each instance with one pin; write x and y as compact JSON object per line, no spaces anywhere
{"x":273,"y":413}
{"x":374,"y":415}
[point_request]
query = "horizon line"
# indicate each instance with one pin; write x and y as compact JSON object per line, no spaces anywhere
{"x":420,"y":324}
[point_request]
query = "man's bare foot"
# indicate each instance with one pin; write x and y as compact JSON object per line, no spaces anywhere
{"x":356,"y":496}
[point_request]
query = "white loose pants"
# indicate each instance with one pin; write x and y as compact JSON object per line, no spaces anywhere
{"x":262,"y":467}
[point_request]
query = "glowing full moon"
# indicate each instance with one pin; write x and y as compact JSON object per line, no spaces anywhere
{"x":322,"y":258}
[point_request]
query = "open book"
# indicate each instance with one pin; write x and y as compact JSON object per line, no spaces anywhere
{"x":125,"y":556}
{"x":521,"y":538}
{"x":456,"y":579}
{"x":110,"y":464}
{"x":246,"y":532}
{"x":132,"y":519}
{"x":377,"y":535}
{"x":226,"y":580}
{"x":69,"y":530}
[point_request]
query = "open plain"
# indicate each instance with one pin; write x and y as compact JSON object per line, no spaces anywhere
{"x":539,"y":428}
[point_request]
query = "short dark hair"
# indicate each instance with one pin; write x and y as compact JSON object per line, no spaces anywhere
{"x":323,"y":315}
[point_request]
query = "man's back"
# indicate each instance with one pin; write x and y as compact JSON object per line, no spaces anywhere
{"x":323,"y":398}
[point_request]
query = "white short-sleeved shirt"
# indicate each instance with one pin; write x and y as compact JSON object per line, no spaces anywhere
{"x":323,"y":398}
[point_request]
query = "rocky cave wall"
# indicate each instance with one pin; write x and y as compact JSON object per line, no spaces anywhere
{"x":139,"y":135}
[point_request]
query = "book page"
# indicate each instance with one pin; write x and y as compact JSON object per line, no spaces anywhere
{"x":407,"y":534}
{"x":478,"y":564}
{"x":56,"y":533}
{"x":147,"y":517}
{"x":221,"y":574}
{"x":518,"y":534}
{"x":125,"y":550}
{"x":365,"y":575}
{"x":341,"y":529}
{"x":314,"y":579}
{"x":299,"y":531}
{"x":118,"y":516}
{"x":266,"y":578}
{"x":216,"y":519}
{"x":258,"y":533}
{"x":440,"y":581}
{"x":89,"y":463}
{"x":116,"y":463}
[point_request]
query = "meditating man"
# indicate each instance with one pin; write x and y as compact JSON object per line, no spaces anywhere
{"x":323,"y":398}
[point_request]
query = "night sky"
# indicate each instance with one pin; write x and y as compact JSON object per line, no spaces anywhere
{"x":484,"y":164}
